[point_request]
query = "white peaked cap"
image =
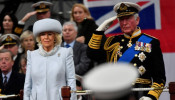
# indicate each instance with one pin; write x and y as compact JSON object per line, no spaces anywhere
{"x":46,"y":25}
{"x":109,"y":81}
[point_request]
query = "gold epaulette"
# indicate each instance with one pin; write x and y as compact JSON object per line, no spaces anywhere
{"x":18,"y":30}
{"x":95,"y":41}
{"x":143,"y":81}
{"x":156,"y":93}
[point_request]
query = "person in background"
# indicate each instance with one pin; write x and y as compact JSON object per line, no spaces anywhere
{"x":50,"y":67}
{"x":82,"y":63}
{"x":9,"y":24}
{"x":41,"y":10}
{"x":86,"y":25}
{"x":27,"y":41}
{"x":11,"y":81}
{"x":23,"y":64}
{"x":134,"y":47}
{"x":12,"y":43}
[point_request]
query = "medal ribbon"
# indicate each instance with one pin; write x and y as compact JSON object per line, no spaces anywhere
{"x":129,"y":54}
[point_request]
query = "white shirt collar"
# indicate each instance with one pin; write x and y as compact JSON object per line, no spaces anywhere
{"x":71,"y":44}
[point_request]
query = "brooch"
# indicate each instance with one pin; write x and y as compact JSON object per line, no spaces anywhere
{"x":141,"y":70}
{"x":142,"y":57}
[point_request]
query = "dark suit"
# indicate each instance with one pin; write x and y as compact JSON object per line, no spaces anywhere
{"x":14,"y":85}
{"x":82,"y":63}
{"x":16,"y":63}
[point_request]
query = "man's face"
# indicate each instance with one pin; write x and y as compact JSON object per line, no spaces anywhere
{"x":6,"y":62}
{"x":43,"y":15}
{"x":69,"y":33}
{"x":128,"y":24}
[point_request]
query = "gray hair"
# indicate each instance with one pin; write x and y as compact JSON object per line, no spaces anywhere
{"x":6,"y":50}
{"x":71,"y":23}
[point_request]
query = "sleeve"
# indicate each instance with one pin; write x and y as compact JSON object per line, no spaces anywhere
{"x":158,"y":70}
{"x":19,"y":28}
{"x":84,"y":62}
{"x":95,"y":50}
{"x":70,"y":73}
{"x":28,"y":80}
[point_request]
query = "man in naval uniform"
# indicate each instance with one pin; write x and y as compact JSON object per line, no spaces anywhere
{"x":41,"y":10}
{"x":133,"y":46}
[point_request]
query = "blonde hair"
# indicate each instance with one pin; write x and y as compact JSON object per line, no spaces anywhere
{"x":58,"y":39}
{"x":83,"y":7}
{"x":26,"y":34}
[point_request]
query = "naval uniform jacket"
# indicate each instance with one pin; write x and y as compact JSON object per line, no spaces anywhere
{"x":48,"y":72}
{"x":149,"y":61}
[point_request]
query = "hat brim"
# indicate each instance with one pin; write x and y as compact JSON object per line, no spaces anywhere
{"x":125,"y":14}
{"x":42,"y":10}
{"x":10,"y":43}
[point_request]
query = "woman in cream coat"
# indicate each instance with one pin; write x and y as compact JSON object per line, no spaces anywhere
{"x":50,"y":67}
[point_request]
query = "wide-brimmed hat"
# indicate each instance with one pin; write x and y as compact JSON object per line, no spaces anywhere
{"x":46,"y":25}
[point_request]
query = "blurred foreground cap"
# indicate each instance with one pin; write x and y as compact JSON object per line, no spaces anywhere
{"x":110,"y":81}
{"x":126,"y":9}
{"x":9,"y":39}
{"x":42,"y":6}
{"x":46,"y":25}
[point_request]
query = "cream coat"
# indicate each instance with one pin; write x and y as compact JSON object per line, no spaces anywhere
{"x":46,"y":75}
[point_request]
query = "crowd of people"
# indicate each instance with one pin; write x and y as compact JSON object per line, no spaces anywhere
{"x":48,"y":55}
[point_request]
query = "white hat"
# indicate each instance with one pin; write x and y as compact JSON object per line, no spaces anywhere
{"x":126,"y":8}
{"x":110,"y":81}
{"x":46,"y":25}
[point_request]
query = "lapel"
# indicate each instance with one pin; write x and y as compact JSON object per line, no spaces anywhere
{"x":11,"y":80}
{"x":1,"y":83}
{"x":76,"y":46}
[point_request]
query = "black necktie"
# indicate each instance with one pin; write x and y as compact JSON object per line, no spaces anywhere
{"x":5,"y":80}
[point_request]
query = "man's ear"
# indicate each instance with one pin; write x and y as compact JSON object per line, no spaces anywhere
{"x":138,"y":20}
{"x":12,"y":63}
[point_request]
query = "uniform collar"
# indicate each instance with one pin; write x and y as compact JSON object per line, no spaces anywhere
{"x":136,"y":33}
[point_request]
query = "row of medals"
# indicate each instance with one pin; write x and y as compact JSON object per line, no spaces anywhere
{"x":140,"y":46}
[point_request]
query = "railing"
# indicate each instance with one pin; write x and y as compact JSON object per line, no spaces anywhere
{"x":66,"y":91}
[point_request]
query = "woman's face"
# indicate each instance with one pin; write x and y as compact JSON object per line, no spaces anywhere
{"x":7,"y":23}
{"x":47,"y":40}
{"x":79,"y":14}
{"x":28,"y":43}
